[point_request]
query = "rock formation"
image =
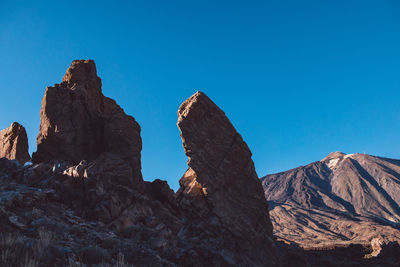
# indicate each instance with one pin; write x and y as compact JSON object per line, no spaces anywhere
{"x":14,"y":143}
{"x":342,"y":198}
{"x":221,"y":182}
{"x":77,"y":122}
{"x":376,"y":245}
{"x":84,"y":200}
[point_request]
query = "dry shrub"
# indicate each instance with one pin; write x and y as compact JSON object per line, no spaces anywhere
{"x":17,"y":250}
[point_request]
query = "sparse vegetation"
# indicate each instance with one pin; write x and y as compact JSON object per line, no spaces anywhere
{"x":18,"y":250}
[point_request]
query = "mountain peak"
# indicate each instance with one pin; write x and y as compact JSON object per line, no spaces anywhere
{"x":81,"y":71}
{"x":334,"y":155}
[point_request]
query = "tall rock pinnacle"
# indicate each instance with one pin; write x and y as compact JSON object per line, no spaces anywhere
{"x":221,"y":175}
{"x":77,"y":122}
{"x":14,"y":143}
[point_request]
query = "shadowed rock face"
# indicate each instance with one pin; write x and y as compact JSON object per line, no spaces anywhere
{"x":221,"y":181}
{"x":77,"y":122}
{"x":14,"y":143}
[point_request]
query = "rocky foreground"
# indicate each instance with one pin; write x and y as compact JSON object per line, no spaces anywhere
{"x":84,"y":201}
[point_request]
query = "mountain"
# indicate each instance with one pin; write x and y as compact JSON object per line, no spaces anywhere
{"x":341,"y":199}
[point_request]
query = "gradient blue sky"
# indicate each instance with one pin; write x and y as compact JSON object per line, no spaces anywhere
{"x":298,"y":79}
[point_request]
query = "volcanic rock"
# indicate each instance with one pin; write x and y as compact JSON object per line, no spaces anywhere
{"x":221,"y":182}
{"x":341,"y":199}
{"x":376,"y":245}
{"x":77,"y":122}
{"x":100,"y":189}
{"x":14,"y":143}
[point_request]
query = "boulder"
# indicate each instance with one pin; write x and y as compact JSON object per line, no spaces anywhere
{"x":221,"y":180}
{"x":14,"y":143}
{"x":77,"y":122}
{"x":376,"y":245}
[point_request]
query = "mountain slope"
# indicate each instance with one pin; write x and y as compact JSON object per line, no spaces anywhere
{"x":342,"y":198}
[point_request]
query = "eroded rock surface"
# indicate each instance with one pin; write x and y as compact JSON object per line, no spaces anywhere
{"x":221,"y":182}
{"x":77,"y":122}
{"x":55,"y":215}
{"x":14,"y":143}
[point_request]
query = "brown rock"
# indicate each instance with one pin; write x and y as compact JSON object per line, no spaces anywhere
{"x":14,"y":143}
{"x":160,"y":190}
{"x":77,"y":122}
{"x":376,"y":245}
{"x":221,"y":174}
{"x":100,"y":189}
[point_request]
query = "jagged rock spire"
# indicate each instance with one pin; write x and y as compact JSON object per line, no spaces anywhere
{"x":77,"y":122}
{"x":14,"y":143}
{"x":221,"y":181}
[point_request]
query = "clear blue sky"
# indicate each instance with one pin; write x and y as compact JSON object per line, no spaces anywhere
{"x":298,"y":79}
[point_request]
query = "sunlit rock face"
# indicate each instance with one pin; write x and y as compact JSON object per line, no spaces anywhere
{"x":77,"y":122}
{"x":14,"y":143}
{"x":221,"y":182}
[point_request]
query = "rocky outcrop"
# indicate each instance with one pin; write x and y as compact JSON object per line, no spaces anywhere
{"x":83,"y":200}
{"x":77,"y":122}
{"x":376,"y":245}
{"x":221,"y":184}
{"x":101,"y":190}
{"x":14,"y":143}
{"x":43,"y":226}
